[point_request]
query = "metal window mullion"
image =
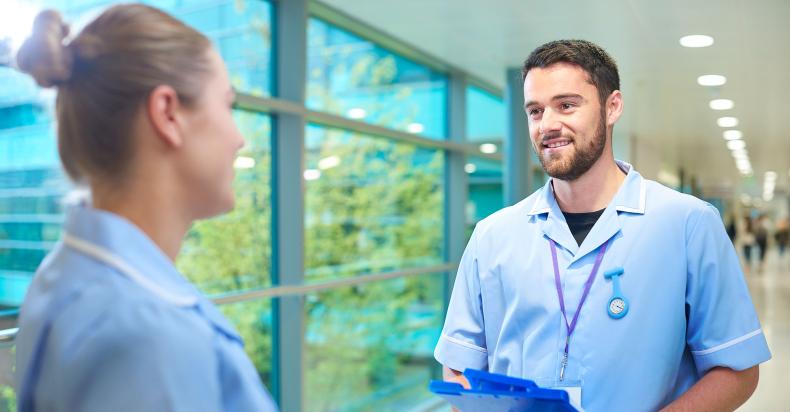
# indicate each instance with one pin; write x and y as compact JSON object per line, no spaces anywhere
{"x":456,"y":185}
{"x":517,"y":173}
{"x":290,"y":41}
{"x":456,"y":181}
{"x":280,"y":106}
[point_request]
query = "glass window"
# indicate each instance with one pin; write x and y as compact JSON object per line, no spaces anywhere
{"x":370,"y":347}
{"x":485,"y":189}
{"x":485,"y":116}
{"x":353,"y":77}
{"x":233,"y":252}
{"x":31,"y":183}
{"x":371,"y":204}
{"x":253,"y":321}
{"x":7,"y":392}
{"x":241,"y":30}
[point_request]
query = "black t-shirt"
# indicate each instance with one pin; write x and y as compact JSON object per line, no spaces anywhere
{"x":580,"y":224}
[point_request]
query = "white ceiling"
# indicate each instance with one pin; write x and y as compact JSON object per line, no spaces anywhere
{"x":664,"y":105}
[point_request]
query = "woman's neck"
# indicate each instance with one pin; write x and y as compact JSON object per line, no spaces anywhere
{"x":153,"y":210}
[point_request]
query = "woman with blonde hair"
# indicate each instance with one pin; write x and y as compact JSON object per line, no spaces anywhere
{"x":144,"y":112}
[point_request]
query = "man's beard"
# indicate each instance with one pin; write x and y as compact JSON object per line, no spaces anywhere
{"x":580,"y":161}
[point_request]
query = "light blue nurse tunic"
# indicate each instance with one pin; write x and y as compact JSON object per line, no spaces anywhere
{"x":109,"y":324}
{"x":690,"y":308}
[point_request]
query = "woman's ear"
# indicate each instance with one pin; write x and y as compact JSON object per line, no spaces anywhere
{"x":163,"y":114}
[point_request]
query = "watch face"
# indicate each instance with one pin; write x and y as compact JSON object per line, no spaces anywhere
{"x":617,"y":306}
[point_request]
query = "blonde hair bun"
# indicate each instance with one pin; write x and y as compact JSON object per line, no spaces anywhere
{"x":43,"y":55}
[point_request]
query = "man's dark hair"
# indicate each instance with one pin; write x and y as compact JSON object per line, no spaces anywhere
{"x":590,"y":57}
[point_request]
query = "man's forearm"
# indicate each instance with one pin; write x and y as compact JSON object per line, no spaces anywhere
{"x":721,"y":389}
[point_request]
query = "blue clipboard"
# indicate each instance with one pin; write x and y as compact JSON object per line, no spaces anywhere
{"x":491,"y":392}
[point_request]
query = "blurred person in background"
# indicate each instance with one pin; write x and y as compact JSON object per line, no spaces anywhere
{"x":732,"y":230}
{"x":782,"y":235}
{"x":761,"y":238}
{"x":748,"y":241}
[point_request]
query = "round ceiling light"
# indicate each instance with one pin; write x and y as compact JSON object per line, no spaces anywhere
{"x":721,"y":104}
{"x":711,"y":80}
{"x":696,"y":40}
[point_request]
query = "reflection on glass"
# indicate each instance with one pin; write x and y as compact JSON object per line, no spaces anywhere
{"x":353,"y":77}
{"x":485,"y":189}
{"x":7,"y":369}
{"x":241,"y":30}
{"x":233,"y":251}
{"x":253,"y":321}
{"x":31,"y":183}
{"x":371,"y":204}
{"x":370,"y":347}
{"x":485,"y":116}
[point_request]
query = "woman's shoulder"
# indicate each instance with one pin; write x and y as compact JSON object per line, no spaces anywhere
{"x":114,"y":314}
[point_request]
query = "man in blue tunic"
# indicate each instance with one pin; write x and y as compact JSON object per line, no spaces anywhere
{"x":624,"y":292}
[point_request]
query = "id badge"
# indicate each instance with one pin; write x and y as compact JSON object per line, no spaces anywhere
{"x":574,"y":390}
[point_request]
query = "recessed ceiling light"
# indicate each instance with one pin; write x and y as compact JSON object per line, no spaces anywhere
{"x":470,"y":168}
{"x":711,"y":80}
{"x":733,"y":134}
{"x":696,"y":40}
{"x":312,"y":174}
{"x":721,"y":104}
{"x":415,"y":128}
{"x":740,"y":154}
{"x":328,"y":162}
{"x":736,"y":145}
{"x":357,"y":113}
{"x":488,"y":148}
{"x":244,"y":162}
{"x":727,"y":121}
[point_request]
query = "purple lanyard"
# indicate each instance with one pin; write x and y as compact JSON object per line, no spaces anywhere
{"x":587,"y":285}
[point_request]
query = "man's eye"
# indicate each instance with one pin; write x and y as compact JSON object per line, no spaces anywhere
{"x":566,"y":106}
{"x":533,"y":112}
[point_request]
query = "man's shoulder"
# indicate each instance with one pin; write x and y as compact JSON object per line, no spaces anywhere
{"x":666,"y":201}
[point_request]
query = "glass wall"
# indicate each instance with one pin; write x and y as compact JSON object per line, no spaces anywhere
{"x":31,"y":183}
{"x":232,"y":252}
{"x":485,"y":188}
{"x":371,"y":204}
{"x":485,"y":117}
{"x":374,"y":201}
{"x":485,"y":126}
{"x":370,"y":347}
{"x":225,"y":254}
{"x":353,"y":77}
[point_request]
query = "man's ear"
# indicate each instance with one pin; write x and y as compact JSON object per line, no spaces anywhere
{"x":163,"y":110}
{"x":614,"y":107}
